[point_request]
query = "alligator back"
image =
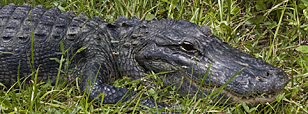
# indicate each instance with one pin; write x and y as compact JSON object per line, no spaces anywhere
{"x":19,"y":24}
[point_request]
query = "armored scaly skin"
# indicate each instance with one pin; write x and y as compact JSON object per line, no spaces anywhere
{"x":130,"y":47}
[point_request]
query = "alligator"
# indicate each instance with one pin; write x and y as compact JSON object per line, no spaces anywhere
{"x":131,"y":48}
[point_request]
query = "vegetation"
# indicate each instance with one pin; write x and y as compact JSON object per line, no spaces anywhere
{"x":272,"y":30}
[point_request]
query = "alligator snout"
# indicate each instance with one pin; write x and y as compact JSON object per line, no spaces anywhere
{"x":277,"y":79}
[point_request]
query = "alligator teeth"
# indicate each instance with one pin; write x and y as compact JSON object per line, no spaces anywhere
{"x":115,"y":53}
{"x":184,"y":67}
{"x":115,"y":41}
{"x":143,"y":79}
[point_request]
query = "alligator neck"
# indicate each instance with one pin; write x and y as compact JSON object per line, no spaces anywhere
{"x":126,"y":62}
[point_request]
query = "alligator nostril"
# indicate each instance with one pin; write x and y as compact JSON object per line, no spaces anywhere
{"x":277,"y":73}
{"x":267,"y":73}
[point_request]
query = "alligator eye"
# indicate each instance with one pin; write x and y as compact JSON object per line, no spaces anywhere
{"x":187,"y":46}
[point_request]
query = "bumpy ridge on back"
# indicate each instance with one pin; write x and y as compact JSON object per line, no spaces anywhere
{"x":48,"y":27}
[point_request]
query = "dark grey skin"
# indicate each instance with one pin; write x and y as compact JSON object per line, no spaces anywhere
{"x":131,"y":47}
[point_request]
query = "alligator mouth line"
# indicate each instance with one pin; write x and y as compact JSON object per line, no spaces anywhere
{"x":249,"y":99}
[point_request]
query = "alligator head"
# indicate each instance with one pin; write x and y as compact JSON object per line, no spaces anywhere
{"x":189,"y":49}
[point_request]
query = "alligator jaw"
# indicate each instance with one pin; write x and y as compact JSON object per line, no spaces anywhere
{"x":232,"y":97}
{"x":176,"y":78}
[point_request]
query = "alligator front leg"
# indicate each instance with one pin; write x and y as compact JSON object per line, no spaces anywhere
{"x":94,"y":87}
{"x":93,"y":84}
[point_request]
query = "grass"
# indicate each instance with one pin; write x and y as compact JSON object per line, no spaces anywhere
{"x":274,"y":31}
